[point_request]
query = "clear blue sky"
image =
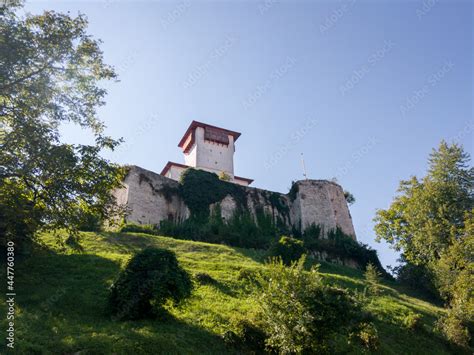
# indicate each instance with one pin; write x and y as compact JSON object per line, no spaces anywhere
{"x":364,"y":89}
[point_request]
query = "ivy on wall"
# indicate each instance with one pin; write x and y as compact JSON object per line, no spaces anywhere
{"x":199,"y":189}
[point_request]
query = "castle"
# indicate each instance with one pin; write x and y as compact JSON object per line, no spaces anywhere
{"x":151,"y":198}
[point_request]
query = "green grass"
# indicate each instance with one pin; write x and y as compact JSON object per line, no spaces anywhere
{"x":61,"y":301}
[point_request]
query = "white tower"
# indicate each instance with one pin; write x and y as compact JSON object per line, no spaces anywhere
{"x":208,"y":148}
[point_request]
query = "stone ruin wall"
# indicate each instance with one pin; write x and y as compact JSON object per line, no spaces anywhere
{"x":149,"y":201}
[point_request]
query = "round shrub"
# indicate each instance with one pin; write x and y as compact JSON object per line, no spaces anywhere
{"x":368,"y":336}
{"x":412,"y":321}
{"x":299,"y":312}
{"x":289,"y":249}
{"x":150,"y":278}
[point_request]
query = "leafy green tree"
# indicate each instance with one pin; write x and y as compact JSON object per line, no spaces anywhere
{"x":288,"y":249}
{"x":50,"y":73}
{"x":350,"y":199}
{"x":373,"y":276}
{"x":430,"y":222}
{"x":300,"y":313}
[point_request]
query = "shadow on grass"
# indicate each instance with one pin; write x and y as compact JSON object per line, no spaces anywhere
{"x":61,"y":301}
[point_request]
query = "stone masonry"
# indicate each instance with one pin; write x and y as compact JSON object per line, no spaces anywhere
{"x":149,"y":198}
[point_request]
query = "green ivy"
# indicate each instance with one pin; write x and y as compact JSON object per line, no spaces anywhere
{"x":338,"y":244}
{"x":199,"y":189}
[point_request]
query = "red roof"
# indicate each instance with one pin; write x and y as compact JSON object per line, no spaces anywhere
{"x":170,"y":164}
{"x":195,"y":124}
{"x":243,"y":179}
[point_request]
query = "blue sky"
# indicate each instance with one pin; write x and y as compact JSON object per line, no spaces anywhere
{"x":364,"y":89}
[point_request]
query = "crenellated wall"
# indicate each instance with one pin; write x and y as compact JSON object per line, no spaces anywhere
{"x":151,"y":198}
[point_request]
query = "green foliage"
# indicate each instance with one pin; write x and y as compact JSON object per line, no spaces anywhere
{"x":240,"y":230}
{"x":248,"y":337}
{"x":53,"y":276}
{"x":288,"y":249}
{"x":372,"y":276}
{"x":300,"y":313}
{"x":454,"y":328}
{"x":429,"y":214}
{"x":431,"y":223}
{"x":90,"y":222}
{"x":412,"y":321}
{"x":137,"y":228}
{"x":417,"y":277}
{"x":224,"y":176}
{"x":199,"y":189}
{"x":293,"y":191}
{"x":367,"y":335}
{"x":350,"y":199}
{"x":339,"y":245}
{"x":152,"y":277}
{"x":49,"y":74}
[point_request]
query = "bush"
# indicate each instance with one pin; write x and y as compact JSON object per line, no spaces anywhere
{"x":412,"y":321}
{"x":367,"y":335}
{"x":138,"y":228}
{"x":248,"y":337}
{"x":245,"y":275}
{"x":454,"y":329}
{"x":150,"y":278}
{"x":90,"y":222}
{"x":372,"y":277}
{"x":299,"y":313}
{"x":337,"y":244}
{"x":288,"y":249}
{"x":240,"y":231}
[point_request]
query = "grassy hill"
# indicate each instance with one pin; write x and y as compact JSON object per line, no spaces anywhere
{"x":61,"y":301}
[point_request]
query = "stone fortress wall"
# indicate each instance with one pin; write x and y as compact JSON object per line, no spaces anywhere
{"x":321,"y":202}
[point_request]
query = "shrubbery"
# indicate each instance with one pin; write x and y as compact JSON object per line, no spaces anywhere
{"x":372,"y":276}
{"x":412,"y":321}
{"x":150,"y":278}
{"x":137,"y":228}
{"x":367,"y":335}
{"x":240,"y":231}
{"x":339,"y":245}
{"x":288,"y":249}
{"x":300,"y":313}
{"x":248,"y":337}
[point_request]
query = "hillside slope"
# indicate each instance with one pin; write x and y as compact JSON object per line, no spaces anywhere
{"x":61,"y":301}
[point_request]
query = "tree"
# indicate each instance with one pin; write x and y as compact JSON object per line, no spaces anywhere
{"x":350,"y":199}
{"x":300,"y":313}
{"x":50,"y":72}
{"x":430,"y":222}
{"x":372,"y":276}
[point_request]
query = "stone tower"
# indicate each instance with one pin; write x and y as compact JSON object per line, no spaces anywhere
{"x":208,"y":148}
